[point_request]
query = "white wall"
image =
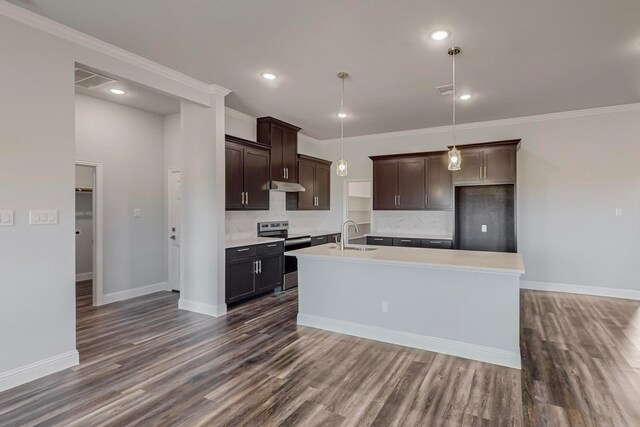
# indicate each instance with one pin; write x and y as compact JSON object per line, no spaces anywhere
{"x":129,"y":143}
{"x":37,"y":276}
{"x":574,"y":170}
{"x":84,"y":222}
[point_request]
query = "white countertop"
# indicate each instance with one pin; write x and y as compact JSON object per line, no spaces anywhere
{"x":495,"y":262}
{"x":410,"y":236}
{"x":249,"y":241}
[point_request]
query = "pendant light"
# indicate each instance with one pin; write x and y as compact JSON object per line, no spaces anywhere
{"x":455,"y":159}
{"x":342,"y":168}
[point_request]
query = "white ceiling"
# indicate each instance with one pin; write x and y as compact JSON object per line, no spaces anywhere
{"x":519,"y":57}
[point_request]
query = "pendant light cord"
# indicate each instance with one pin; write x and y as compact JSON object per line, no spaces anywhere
{"x":454,"y":99}
{"x":342,"y":119}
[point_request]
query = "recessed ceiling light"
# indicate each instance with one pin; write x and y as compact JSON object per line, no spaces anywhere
{"x":465,"y":96}
{"x":342,"y":115}
{"x":269,"y":76}
{"x":117,"y":91}
{"x":439,"y":35}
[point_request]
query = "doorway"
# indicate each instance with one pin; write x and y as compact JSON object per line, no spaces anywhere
{"x":89,"y":264}
{"x":174,"y":187}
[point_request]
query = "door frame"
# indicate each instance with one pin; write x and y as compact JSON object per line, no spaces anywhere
{"x":168,"y":207}
{"x":98,"y":229}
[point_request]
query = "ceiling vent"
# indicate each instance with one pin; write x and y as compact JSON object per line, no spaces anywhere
{"x":90,"y":80}
{"x":445,"y":90}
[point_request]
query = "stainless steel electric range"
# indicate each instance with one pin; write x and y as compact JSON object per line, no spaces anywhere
{"x":291,"y":243}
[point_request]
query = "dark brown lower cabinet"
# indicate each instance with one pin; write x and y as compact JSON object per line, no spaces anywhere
{"x":437,"y":244}
{"x":253,"y":270}
{"x":379,"y":241}
{"x":321,"y":240}
{"x":407,"y":243}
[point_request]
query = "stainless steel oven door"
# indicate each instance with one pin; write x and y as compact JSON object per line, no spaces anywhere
{"x":291,"y":262}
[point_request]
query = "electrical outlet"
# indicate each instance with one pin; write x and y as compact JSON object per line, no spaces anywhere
{"x":136,"y":213}
{"x":385,"y":306}
{"x":6,"y":218}
{"x":618,"y":211}
{"x":484,"y":228}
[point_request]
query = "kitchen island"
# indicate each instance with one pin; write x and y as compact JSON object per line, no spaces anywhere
{"x":462,"y":303}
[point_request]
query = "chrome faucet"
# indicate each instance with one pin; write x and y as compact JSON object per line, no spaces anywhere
{"x":344,"y":237}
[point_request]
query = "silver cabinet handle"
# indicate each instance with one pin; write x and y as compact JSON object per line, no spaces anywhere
{"x":426,"y":200}
{"x":260,"y":266}
{"x":395,"y":200}
{"x":246,"y":198}
{"x":242,"y":194}
{"x":272,"y":246}
{"x":405,"y":241}
{"x":284,"y":172}
{"x":255,"y":267}
{"x":435,"y":242}
{"x":243,"y":250}
{"x":480,"y":172}
{"x":485,"y":173}
{"x":378,"y":240}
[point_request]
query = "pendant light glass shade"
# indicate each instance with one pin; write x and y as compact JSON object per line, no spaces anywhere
{"x":455,"y":159}
{"x":342,"y":167}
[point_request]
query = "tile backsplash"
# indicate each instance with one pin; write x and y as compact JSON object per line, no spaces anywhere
{"x":241,"y":224}
{"x":435,"y":223}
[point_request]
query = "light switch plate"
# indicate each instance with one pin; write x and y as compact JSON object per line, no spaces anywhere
{"x":484,"y":228}
{"x":6,"y":219}
{"x":43,"y":217}
{"x":136,"y":213}
{"x":618,"y":211}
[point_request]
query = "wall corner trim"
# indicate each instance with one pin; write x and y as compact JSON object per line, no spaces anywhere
{"x":219,"y":90}
{"x":134,"y":292}
{"x":580,"y":289}
{"x":201,"y":308}
{"x":492,"y":355}
{"x":39,"y":369}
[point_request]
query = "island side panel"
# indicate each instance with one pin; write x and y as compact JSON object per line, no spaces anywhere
{"x":464,"y":313}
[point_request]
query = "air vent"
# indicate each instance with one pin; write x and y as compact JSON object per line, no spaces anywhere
{"x":89,"y":80}
{"x":445,"y":90}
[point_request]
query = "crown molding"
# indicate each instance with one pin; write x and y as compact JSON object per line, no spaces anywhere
{"x":52,"y":27}
{"x":492,"y":123}
{"x":240,"y":115}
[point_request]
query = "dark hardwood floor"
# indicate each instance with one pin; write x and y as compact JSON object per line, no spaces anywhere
{"x":144,"y":362}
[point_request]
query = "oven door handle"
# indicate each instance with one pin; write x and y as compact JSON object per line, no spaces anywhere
{"x":297,"y":241}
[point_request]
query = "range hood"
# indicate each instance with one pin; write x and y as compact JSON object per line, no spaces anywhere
{"x":287,"y":187}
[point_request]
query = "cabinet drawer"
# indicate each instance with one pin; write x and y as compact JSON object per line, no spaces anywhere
{"x":241,"y":252}
{"x":319,"y":240}
{"x":437,"y":244}
{"x":409,"y":243}
{"x":379,"y":241}
{"x":270,"y":248}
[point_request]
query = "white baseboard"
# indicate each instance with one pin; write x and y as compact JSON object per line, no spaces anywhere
{"x":135,"y":292}
{"x":81,"y":277}
{"x":198,"y":307}
{"x":579,"y":289}
{"x":41,"y":368}
{"x":454,"y":348}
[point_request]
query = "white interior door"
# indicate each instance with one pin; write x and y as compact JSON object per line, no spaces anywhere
{"x":174,"y":229}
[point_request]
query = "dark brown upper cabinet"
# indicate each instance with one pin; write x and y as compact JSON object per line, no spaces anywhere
{"x":412,"y":182}
{"x":488,"y":163}
{"x":439,"y":183}
{"x":246,"y":175}
{"x":315,"y":177}
{"x":282,"y":137}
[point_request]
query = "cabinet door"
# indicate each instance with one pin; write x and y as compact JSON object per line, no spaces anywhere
{"x":439,"y":183}
{"x":290,"y":155}
{"x":277,"y":145}
{"x":233,"y":176}
{"x":437,"y":244}
{"x":256,"y":179}
{"x":270,"y":272}
{"x":385,"y":184}
{"x":500,"y":165}
{"x":319,"y":240}
{"x":323,"y":187}
{"x":306,"y":198}
{"x":471,"y":170}
{"x":240,"y":279}
{"x":411,"y":182}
